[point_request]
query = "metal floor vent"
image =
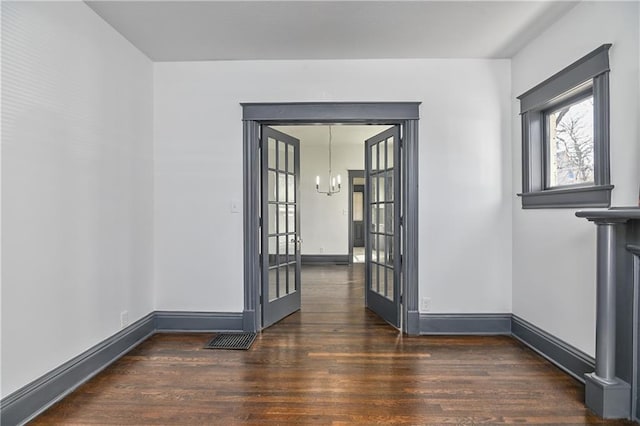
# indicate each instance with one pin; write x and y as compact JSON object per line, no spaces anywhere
{"x":241,"y":341}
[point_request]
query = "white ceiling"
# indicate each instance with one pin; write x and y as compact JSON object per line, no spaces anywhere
{"x":245,"y":30}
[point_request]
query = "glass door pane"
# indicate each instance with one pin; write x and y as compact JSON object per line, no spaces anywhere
{"x":382,"y":238}
{"x":280,"y":231}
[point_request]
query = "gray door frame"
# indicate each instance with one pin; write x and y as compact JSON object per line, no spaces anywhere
{"x":352,"y":174}
{"x":254,"y":115}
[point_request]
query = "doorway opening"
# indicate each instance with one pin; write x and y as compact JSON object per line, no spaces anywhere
{"x":390,"y":206}
{"x":356,"y":216}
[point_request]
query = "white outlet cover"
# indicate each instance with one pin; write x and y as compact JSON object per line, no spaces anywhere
{"x":425,"y":305}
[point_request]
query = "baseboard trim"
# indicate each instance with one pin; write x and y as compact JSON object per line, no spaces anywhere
{"x":321,"y":259}
{"x":27,"y":402}
{"x":465,"y":324}
{"x":181,"y":321}
{"x":413,"y":323}
{"x":566,"y":357}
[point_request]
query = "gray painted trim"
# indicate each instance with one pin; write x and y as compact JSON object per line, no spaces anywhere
{"x":568,"y":358}
{"x":610,"y":399}
{"x":320,"y":259}
{"x":465,"y":324}
{"x":591,"y":196}
{"x":341,"y":112}
{"x":255,"y":114}
{"x":32,"y":399}
{"x":27,"y":402}
{"x":177,"y":321}
{"x":616,"y":214}
{"x":251,"y":219}
{"x":635,"y":339}
{"x":601,"y":118}
{"x":410,"y":225}
{"x":590,"y":74}
{"x":585,"y":68}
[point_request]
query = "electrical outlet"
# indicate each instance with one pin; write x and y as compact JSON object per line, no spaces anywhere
{"x":321,"y":249}
{"x":124,"y":319}
{"x":425,"y":304}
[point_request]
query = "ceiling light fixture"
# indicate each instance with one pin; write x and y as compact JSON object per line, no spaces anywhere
{"x":333,"y":189}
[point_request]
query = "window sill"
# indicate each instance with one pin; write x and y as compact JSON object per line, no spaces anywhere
{"x":563,"y":198}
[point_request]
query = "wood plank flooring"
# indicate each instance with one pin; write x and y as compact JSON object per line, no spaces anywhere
{"x":332,"y":363}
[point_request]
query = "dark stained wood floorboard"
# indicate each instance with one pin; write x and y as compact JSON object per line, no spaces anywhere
{"x":332,"y":363}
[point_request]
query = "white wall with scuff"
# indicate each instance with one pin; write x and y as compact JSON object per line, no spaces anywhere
{"x":553,"y":251}
{"x":77,"y":185}
{"x":465,"y":170}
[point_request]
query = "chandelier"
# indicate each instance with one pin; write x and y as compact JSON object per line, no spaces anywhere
{"x":333,"y":180}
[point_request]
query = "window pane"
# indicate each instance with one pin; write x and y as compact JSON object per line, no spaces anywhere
{"x":273,"y":251}
{"x":272,"y":153}
{"x":373,"y":197}
{"x":381,"y":187}
{"x":570,"y":144}
{"x":357,"y":206}
{"x":374,"y":277}
{"x":282,"y":187}
{"x":282,"y":219}
{"x":273,"y":284}
{"x":272,"y":219}
{"x":282,"y":161}
{"x":291,"y":218}
{"x":282,"y":250}
{"x":271,"y":180}
{"x":390,"y":153}
{"x":290,"y":159}
{"x":374,"y":157}
{"x":291,"y":188}
{"x":389,"y":288}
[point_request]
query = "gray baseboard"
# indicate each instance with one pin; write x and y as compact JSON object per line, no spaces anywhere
{"x":413,"y":323}
{"x":179,"y":321}
{"x":32,"y":399}
{"x":465,"y":324}
{"x":566,"y":357}
{"x":320,"y":259}
{"x":29,"y":401}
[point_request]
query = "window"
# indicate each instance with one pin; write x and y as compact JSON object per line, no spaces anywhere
{"x":565,"y":137}
{"x":569,"y":138}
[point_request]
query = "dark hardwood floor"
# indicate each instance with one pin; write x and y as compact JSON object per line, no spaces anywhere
{"x":332,"y":363}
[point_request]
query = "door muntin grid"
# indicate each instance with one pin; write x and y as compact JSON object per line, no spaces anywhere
{"x":382,"y":217}
{"x":282,"y":232}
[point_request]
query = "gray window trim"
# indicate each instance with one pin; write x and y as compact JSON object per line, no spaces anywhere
{"x":590,"y":73}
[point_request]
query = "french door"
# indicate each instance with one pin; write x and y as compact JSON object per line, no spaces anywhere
{"x":382,"y":224}
{"x":280,"y":246}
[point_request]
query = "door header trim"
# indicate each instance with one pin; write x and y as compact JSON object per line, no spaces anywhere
{"x":323,"y":112}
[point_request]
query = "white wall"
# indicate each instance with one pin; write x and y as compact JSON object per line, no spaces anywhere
{"x":465,"y":170}
{"x":324,"y":221}
{"x":553,"y":251}
{"x":77,"y":185}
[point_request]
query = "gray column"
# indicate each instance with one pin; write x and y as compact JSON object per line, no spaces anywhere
{"x":605,"y":393}
{"x":606,"y":303}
